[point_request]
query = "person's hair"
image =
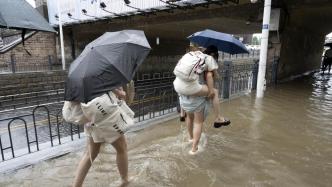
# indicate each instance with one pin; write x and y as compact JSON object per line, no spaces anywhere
{"x":213,"y":51}
{"x":193,"y":47}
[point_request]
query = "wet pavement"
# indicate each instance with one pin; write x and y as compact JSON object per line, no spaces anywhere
{"x":284,"y":139}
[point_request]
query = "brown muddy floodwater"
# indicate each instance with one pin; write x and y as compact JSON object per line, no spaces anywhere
{"x":282,"y":140}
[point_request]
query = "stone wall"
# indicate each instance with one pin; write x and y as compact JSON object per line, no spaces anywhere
{"x":40,"y":45}
{"x":31,"y":82}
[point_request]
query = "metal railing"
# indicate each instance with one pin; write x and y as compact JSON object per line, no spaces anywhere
{"x":154,"y":97}
{"x":154,"y":61}
{"x":25,"y":133}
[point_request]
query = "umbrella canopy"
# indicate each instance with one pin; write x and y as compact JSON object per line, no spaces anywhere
{"x":19,"y":14}
{"x":224,"y":42}
{"x":108,"y":62}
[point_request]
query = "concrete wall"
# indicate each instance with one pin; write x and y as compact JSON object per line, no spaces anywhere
{"x":161,"y":56}
{"x":301,"y":51}
{"x":31,"y":82}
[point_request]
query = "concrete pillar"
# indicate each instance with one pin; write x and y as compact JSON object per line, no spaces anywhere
{"x":301,"y":51}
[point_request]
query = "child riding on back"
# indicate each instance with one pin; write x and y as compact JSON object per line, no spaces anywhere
{"x":187,"y":71}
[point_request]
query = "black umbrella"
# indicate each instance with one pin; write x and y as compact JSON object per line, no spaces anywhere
{"x":106,"y":63}
{"x":19,"y":14}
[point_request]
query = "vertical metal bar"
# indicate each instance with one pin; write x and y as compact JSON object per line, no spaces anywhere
{"x":78,"y":131}
{"x":57,"y":125}
{"x":154,"y":102}
{"x":169,"y":103}
{"x":2,"y":156}
{"x":71,"y":132}
{"x":61,"y":38}
{"x":10,"y":138}
{"x":160,"y":102}
{"x":13,"y":63}
{"x":143,"y":105}
{"x":255,"y":75}
{"x":27,"y":134}
{"x":50,"y":63}
{"x":48,"y":120}
{"x":275,"y":70}
{"x":226,"y":79}
{"x":172,"y":99}
{"x":139,"y":107}
{"x":164,"y":93}
{"x":150,"y":103}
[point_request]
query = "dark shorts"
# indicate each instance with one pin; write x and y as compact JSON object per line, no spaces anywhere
{"x":327,"y":61}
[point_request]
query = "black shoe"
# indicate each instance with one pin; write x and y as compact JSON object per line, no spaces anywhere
{"x":183,"y":118}
{"x":226,"y":122}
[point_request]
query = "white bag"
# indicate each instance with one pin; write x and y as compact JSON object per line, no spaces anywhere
{"x":72,"y":113}
{"x":190,"y":66}
{"x":108,"y":112}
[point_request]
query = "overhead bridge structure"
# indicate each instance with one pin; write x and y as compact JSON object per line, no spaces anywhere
{"x":297,"y":42}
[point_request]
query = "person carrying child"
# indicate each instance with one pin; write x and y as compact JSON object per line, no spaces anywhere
{"x":187,"y":72}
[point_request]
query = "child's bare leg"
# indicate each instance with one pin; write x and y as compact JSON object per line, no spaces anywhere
{"x":182,"y":115}
{"x":85,"y":163}
{"x":219,"y":119}
{"x":215,"y":101}
{"x":216,"y":106}
{"x":203,"y":92}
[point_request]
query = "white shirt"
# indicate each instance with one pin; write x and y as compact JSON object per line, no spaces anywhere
{"x":211,"y":63}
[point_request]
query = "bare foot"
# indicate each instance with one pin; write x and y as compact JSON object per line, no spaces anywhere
{"x":124,"y":183}
{"x":193,"y":151}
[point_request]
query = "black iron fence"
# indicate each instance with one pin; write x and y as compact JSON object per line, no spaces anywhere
{"x":23,"y":134}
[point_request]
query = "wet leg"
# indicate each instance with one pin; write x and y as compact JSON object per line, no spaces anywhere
{"x":190,"y":125}
{"x":85,"y":163}
{"x":120,"y":146}
{"x":197,"y":130}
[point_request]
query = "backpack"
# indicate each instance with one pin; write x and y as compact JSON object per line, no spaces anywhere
{"x":190,"y":66}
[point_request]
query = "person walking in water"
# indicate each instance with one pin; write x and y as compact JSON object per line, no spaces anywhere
{"x":327,"y":61}
{"x":99,"y":135}
{"x":187,"y":71}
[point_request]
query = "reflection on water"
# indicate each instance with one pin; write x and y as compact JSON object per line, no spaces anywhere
{"x":284,"y":139}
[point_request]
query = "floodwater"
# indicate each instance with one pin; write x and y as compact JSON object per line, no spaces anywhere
{"x":284,"y":139}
